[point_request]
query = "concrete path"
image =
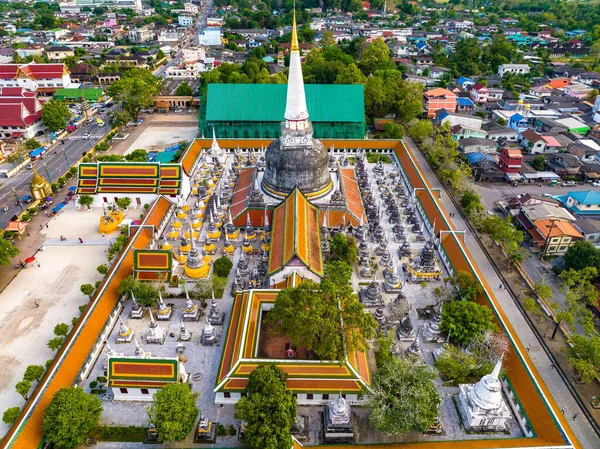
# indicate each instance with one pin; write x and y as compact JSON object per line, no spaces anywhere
{"x":581,"y":427}
{"x":75,"y":242}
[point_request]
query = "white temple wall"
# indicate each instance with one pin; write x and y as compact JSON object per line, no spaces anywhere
{"x":133,"y":394}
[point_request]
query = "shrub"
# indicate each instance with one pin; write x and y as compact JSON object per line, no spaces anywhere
{"x":25,"y":217}
{"x":85,"y":159}
{"x":102,"y":269}
{"x":68,"y":175}
{"x":73,"y":170}
{"x":74,"y":320}
{"x":93,"y":384}
{"x":222,"y":266}
{"x":220,"y":430}
{"x":33,"y":210}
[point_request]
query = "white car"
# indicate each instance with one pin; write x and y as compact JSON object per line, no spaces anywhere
{"x":596,"y":184}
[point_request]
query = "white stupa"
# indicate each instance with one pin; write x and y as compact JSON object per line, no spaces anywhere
{"x":482,"y":406}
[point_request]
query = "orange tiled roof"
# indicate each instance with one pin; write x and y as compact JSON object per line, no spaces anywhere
{"x":238,"y":359}
{"x":559,"y":229}
{"x":296,"y":234}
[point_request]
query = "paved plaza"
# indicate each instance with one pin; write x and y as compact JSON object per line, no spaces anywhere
{"x":156,"y":138}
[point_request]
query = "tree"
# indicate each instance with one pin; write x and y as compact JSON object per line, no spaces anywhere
{"x":468,"y":287}
{"x":31,"y":144}
{"x":34,"y":372}
{"x":392,"y":130}
{"x":455,"y":364}
{"x":23,"y":388}
{"x":10,"y":415}
{"x":326,"y":318}
{"x":269,"y":409}
{"x":70,"y":416}
{"x":139,"y":155}
{"x":591,"y":96}
{"x":144,"y":293}
{"x":135,"y":90}
{"x":584,"y":355}
{"x":420,"y":130}
{"x":55,"y":343}
{"x":61,"y":330}
{"x":376,"y":57}
{"x":102,"y":269}
{"x":469,"y":198}
{"x":222,"y":266}
{"x":124,"y":202}
{"x":344,"y":248}
{"x":351,"y":75}
{"x":85,"y":201}
{"x":7,"y":251}
{"x":118,"y":119}
{"x":465,"y":320}
{"x":174,"y":411}
{"x":327,"y":39}
{"x":582,"y":254}
{"x":184,"y":89}
{"x":87,"y":289}
{"x":55,"y":114}
{"x":403,"y":397}
{"x":539,"y":163}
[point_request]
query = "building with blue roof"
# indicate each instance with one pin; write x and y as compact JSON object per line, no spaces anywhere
{"x":465,"y":105}
{"x":464,"y":82}
{"x":583,"y":202}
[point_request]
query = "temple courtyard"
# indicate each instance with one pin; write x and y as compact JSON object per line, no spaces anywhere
{"x":156,"y":138}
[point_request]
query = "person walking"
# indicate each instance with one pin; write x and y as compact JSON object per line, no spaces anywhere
{"x":80,"y":240}
{"x":564,"y":409}
{"x":38,"y":264}
{"x":575,"y":416}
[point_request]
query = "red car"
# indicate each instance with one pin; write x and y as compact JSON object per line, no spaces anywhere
{"x":71,"y":128}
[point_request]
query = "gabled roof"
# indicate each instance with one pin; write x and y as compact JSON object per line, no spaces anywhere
{"x":586,"y":197}
{"x":240,"y":357}
{"x":141,"y":372}
{"x":296,"y":234}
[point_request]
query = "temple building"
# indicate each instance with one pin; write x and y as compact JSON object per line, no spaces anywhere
{"x":40,"y":188}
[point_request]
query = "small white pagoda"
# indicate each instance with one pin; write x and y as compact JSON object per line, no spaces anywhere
{"x":482,"y":406}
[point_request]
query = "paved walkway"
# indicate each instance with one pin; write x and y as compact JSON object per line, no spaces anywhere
{"x":581,"y":427}
{"x":76,"y":242}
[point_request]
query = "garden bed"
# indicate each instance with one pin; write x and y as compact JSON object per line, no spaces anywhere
{"x":130,"y":434}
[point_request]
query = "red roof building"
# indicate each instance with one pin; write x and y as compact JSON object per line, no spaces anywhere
{"x":35,"y":77}
{"x":510,"y":160}
{"x":20,"y":113}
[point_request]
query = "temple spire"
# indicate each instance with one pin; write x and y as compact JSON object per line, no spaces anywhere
{"x":296,"y":113}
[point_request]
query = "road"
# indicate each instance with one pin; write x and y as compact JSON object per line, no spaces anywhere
{"x":55,"y":166}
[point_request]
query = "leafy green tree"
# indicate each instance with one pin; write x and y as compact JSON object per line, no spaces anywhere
{"x":539,"y":163}
{"x":222,"y":266}
{"x":34,"y":372}
{"x":311,"y":315}
{"x":70,"y":416}
{"x":392,"y":130}
{"x":376,"y":57}
{"x":7,"y":251}
{"x":403,"y":397}
{"x":269,"y":409}
{"x":135,"y":91}
{"x":469,"y":198}
{"x":420,"y":130}
{"x":144,"y":293}
{"x":31,"y":144}
{"x":584,"y":355}
{"x":10,"y":415}
{"x":351,"y":75}
{"x":455,"y":364}
{"x":465,"y":320}
{"x":184,"y":89}
{"x":23,"y":388}
{"x":55,"y":114}
{"x":582,"y":254}
{"x":87,"y":289}
{"x":468,"y":287}
{"x":85,"y":201}
{"x":61,"y":330}
{"x":327,"y":39}
{"x":139,"y":155}
{"x":102,"y":269}
{"x":124,"y":202}
{"x":174,"y":411}
{"x":55,"y":343}
{"x":344,"y":248}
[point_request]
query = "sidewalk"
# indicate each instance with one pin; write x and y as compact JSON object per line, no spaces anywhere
{"x":581,"y":427}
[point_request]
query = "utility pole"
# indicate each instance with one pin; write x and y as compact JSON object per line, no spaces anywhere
{"x":545,"y":251}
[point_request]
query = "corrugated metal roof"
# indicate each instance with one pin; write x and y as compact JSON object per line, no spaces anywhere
{"x":266,"y":102}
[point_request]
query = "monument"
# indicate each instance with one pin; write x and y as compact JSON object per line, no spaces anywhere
{"x":195,"y":266}
{"x":125,"y":334}
{"x":296,"y":159}
{"x":137,"y":311}
{"x":405,"y":330}
{"x":371,"y":296}
{"x":432,"y":328}
{"x":426,"y":267}
{"x":191,"y":311}
{"x":155,"y":334}
{"x":164,"y":312}
{"x":184,"y":334}
{"x":482,"y":406}
{"x":208,"y":336}
{"x":215,"y":315}
{"x":338,"y":425}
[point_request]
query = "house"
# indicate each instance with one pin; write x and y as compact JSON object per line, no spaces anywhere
{"x":58,"y":52}
{"x":438,"y":98}
{"x":191,"y":70}
{"x":554,"y":237}
{"x":510,"y":161}
{"x":35,"y":77}
{"x":210,"y":37}
{"x":582,"y":202}
{"x":477,"y":145}
{"x":190,"y":8}
{"x":535,"y":143}
{"x":485,"y":167}
{"x":141,"y":35}
{"x":465,"y":82}
{"x":462,"y":132}
{"x":495,"y":93}
{"x":586,"y":150}
{"x":479,"y":93}
{"x":185,"y":21}
{"x":547,"y":125}
{"x":20,"y":113}
{"x":83,"y":73}
{"x":465,"y":105}
{"x":500,"y":133}
{"x":193,"y":54}
{"x":513,"y":68}
{"x":590,"y":229}
{"x":564,"y":164}
{"x":443,"y":116}
{"x":573,"y":125}
{"x":518,"y":122}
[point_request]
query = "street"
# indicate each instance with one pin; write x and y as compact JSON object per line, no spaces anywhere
{"x":51,"y":166}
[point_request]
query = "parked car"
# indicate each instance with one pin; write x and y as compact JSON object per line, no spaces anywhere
{"x":546,"y":195}
{"x":568,"y":184}
{"x":596,"y":183}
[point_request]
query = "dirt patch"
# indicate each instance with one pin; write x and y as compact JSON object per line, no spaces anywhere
{"x":272,"y":344}
{"x":65,"y":280}
{"x":23,"y":319}
{"x":6,"y":373}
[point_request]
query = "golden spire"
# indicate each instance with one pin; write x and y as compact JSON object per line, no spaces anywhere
{"x":295,"y":46}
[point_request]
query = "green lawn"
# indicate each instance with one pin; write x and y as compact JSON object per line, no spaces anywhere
{"x":123,"y":434}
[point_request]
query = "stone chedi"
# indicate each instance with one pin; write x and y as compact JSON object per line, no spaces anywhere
{"x":296,"y":159}
{"x":195,"y":266}
{"x":432,"y":328}
{"x":338,"y":424}
{"x":426,"y":267}
{"x":371,"y":296}
{"x":164,"y":312}
{"x":155,"y":334}
{"x":209,"y":335}
{"x":40,"y":188}
{"x":191,"y":311}
{"x":137,"y":311}
{"x":215,"y":315}
{"x":482,"y":406}
{"x":125,"y":334}
{"x":184,"y":334}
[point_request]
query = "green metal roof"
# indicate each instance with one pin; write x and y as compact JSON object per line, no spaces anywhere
{"x":91,"y":94}
{"x":266,"y":102}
